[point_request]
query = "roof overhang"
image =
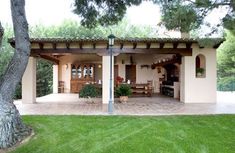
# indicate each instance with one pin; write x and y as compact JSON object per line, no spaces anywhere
{"x":50,"y":47}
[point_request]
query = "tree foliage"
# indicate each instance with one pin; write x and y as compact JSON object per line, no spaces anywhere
{"x":103,"y":12}
{"x":44,"y":77}
{"x":183,"y":15}
{"x":226,"y":64}
{"x":6,"y":51}
{"x":73,"y":29}
{"x":186,"y":15}
{"x":180,"y":17}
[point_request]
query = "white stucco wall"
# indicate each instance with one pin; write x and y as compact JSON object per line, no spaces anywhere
{"x":55,"y":78}
{"x":142,"y":74}
{"x":198,"y":90}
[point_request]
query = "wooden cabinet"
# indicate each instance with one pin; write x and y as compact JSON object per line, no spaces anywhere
{"x":80,"y":75}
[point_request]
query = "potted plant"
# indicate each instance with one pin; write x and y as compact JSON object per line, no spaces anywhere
{"x":200,"y":71}
{"x":119,"y":80}
{"x":89,"y":91}
{"x":123,"y":91}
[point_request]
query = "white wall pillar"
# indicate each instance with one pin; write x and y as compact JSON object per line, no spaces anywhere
{"x":55,"y":78}
{"x":29,"y":82}
{"x":182,"y":80}
{"x":106,"y":79}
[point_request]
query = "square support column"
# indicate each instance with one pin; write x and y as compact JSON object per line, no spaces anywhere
{"x":55,"y":79}
{"x":29,"y":82}
{"x":106,"y":79}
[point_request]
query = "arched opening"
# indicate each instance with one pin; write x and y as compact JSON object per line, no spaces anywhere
{"x":200,"y":66}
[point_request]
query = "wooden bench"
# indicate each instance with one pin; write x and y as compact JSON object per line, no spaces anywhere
{"x":143,"y":89}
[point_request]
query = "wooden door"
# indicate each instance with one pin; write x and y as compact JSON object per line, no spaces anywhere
{"x":115,"y":72}
{"x":131,"y":73}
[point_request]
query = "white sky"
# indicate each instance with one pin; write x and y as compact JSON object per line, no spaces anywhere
{"x":52,"y":12}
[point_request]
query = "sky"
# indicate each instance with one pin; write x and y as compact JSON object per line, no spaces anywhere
{"x":53,"y":12}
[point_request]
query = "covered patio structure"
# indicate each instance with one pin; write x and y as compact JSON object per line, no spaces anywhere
{"x":169,"y":64}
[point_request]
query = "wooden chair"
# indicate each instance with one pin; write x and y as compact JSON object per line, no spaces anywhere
{"x":150,"y":86}
{"x":61,"y":87}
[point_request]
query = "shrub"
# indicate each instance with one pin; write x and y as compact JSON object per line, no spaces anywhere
{"x":89,"y":91}
{"x":123,"y":90}
{"x":200,"y":70}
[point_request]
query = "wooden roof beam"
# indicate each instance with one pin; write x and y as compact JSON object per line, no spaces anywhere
{"x":188,"y":45}
{"x":41,"y":46}
{"x":67,"y":45}
{"x":181,"y":51}
{"x":50,"y":58}
{"x":175,"y":45}
{"x":134,"y":45}
{"x":121,"y":45}
{"x":171,"y":61}
{"x":54,"y":46}
{"x":94,"y":45}
{"x":148,"y":45}
{"x":80,"y":45}
{"x":161,"y":45}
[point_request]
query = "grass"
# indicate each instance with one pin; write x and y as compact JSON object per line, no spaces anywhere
{"x":124,"y":134}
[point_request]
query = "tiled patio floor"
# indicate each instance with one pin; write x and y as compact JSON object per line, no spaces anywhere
{"x":70,"y":104}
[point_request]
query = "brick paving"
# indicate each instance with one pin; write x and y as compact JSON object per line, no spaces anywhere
{"x":70,"y":104}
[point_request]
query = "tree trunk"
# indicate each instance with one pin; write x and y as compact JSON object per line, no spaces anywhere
{"x":12,"y":129}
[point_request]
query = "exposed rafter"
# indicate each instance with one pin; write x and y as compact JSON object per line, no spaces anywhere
{"x":121,"y":45}
{"x":148,"y":45}
{"x":80,"y":45}
{"x":100,"y":46}
{"x":67,"y":45}
{"x":94,"y":45}
{"x":50,"y":58}
{"x":134,"y":45}
{"x":41,"y":45}
{"x":54,"y":46}
{"x":161,"y":45}
{"x":175,"y":45}
{"x":163,"y":62}
{"x":188,"y":45}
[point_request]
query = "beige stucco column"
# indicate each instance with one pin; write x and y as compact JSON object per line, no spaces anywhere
{"x":183,"y":79}
{"x":106,"y":78}
{"x":29,"y":82}
{"x":55,"y":78}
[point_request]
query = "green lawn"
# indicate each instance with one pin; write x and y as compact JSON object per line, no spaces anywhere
{"x":122,"y":134}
